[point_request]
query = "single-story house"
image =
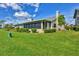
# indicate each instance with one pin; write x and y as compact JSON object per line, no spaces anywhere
{"x":38,"y":24}
{"x":76,"y":16}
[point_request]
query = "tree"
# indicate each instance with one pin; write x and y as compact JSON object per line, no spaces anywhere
{"x":8,"y":26}
{"x":61,"y":20}
{"x":2,"y":21}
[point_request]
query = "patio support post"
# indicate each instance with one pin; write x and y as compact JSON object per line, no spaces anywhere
{"x":41,"y":25}
{"x":47,"y":25}
{"x":51,"y":25}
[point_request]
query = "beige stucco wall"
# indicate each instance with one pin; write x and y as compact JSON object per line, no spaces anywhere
{"x":38,"y":30}
{"x":61,"y":27}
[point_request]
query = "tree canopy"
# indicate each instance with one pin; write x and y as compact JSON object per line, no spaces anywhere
{"x":61,"y":20}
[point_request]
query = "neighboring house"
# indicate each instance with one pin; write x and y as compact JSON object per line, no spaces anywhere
{"x":38,"y":24}
{"x":76,"y":16}
{"x":1,"y":26}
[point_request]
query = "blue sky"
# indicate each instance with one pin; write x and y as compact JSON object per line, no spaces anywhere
{"x":22,"y":11}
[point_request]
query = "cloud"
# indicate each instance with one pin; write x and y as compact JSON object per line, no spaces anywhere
{"x":36,"y":10}
{"x":34,"y":15}
{"x":9,"y":20}
{"x":22,"y":14}
{"x":36,"y":5}
{"x":14,"y":6}
{"x":33,"y":4}
{"x":3,"y":6}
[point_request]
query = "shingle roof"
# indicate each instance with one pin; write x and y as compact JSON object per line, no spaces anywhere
{"x":35,"y":21}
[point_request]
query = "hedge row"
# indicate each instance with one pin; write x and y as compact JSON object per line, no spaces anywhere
{"x":22,"y":30}
{"x":49,"y":30}
{"x":26,"y":30}
{"x":75,"y":28}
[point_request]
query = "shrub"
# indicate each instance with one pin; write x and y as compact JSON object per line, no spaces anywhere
{"x":8,"y":27}
{"x":34,"y":30}
{"x":22,"y":30}
{"x":27,"y":30}
{"x":17,"y":29}
{"x":49,"y":30}
{"x":68,"y":27}
{"x":76,"y":28}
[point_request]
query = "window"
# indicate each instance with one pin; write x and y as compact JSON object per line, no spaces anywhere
{"x":77,"y":18}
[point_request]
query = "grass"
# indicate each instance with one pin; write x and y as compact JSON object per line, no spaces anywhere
{"x":45,"y":44}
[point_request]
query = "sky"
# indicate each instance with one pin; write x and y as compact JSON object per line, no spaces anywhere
{"x":21,"y":12}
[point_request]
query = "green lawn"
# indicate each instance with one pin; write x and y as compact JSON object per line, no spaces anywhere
{"x":45,"y":44}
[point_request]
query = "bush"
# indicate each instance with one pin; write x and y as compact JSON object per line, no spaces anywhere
{"x":34,"y":30}
{"x":49,"y":30}
{"x":17,"y":29}
{"x":76,"y":28}
{"x":22,"y":30}
{"x":68,"y":27}
{"x":8,"y":27}
{"x":27,"y":30}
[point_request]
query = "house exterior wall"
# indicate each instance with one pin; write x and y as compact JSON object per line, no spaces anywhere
{"x":61,"y":27}
{"x":46,"y":25}
{"x":40,"y":30}
{"x":77,"y":17}
{"x":77,"y":21}
{"x":0,"y":26}
{"x":37,"y":25}
{"x":20,"y":26}
{"x":33,"y":25}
